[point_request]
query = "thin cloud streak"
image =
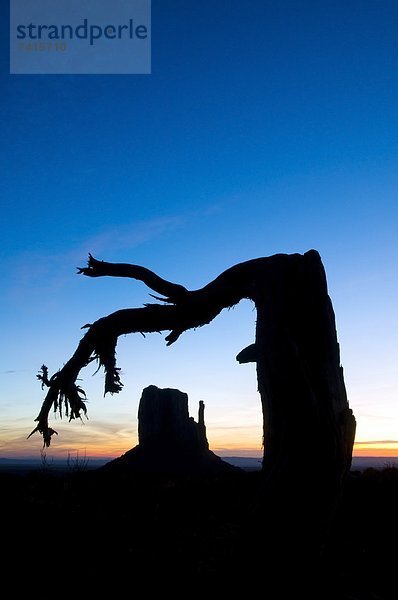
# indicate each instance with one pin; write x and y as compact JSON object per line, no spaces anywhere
{"x":39,"y":272}
{"x":370,"y":442}
{"x":129,"y":236}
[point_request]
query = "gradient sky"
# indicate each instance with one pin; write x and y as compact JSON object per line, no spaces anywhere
{"x":265,"y":127}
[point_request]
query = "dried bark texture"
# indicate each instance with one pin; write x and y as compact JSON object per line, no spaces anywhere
{"x":308,"y":426}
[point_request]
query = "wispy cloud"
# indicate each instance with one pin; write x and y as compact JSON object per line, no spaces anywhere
{"x":96,"y":436}
{"x":377,"y":416}
{"x":40,"y":272}
{"x":37,"y":273}
{"x":128,"y":236}
{"x":112,"y":429}
{"x":378,"y":442}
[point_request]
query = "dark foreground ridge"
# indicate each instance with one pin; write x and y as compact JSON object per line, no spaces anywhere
{"x":89,"y":531}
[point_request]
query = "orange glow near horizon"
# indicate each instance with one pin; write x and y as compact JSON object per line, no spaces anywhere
{"x":388,"y":449}
{"x":97,"y":450}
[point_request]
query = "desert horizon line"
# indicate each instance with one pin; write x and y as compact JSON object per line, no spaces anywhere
{"x":82,"y":454}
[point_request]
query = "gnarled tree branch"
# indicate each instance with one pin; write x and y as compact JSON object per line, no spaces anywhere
{"x":184,"y":310}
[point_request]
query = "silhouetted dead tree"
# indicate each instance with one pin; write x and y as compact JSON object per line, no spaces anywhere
{"x":308,"y":426}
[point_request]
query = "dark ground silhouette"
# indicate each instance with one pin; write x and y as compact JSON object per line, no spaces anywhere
{"x":89,"y":531}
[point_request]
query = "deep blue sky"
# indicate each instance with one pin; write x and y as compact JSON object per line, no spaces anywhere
{"x":265,"y":126}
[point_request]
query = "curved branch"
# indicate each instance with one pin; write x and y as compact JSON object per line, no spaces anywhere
{"x":99,"y":268}
{"x":99,"y":343}
{"x":237,"y":282}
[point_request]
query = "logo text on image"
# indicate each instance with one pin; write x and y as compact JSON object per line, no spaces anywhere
{"x":71,"y":37}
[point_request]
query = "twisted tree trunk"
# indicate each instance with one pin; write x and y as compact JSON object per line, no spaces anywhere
{"x":308,"y":426}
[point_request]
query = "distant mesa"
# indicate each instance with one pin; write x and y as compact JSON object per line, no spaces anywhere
{"x":170,"y":441}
